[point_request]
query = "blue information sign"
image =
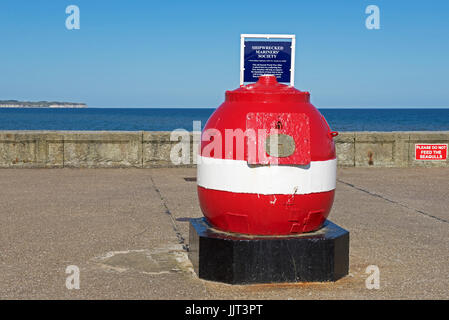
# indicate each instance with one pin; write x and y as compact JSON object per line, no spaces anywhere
{"x":267,"y":57}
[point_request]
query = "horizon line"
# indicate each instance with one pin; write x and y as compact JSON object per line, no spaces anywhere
{"x":327,"y":107}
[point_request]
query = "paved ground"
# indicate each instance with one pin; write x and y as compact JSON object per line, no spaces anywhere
{"x":126,"y":228}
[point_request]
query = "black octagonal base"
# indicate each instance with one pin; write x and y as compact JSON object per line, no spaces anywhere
{"x":240,"y":259}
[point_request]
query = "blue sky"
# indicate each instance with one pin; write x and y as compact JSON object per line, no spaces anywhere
{"x":186,"y":53}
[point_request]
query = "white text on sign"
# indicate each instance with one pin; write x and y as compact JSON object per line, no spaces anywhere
{"x":430,"y":151}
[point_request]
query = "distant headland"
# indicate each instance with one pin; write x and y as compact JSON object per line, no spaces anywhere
{"x":40,"y":104}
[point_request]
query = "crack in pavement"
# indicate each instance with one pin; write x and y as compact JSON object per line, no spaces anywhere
{"x":179,"y":236}
{"x":393,"y":201}
{"x":181,"y":239}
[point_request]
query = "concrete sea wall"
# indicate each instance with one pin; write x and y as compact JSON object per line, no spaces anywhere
{"x":142,"y":149}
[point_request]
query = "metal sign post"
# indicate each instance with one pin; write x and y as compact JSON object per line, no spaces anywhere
{"x":274,"y":62}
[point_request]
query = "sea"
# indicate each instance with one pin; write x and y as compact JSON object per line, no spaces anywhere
{"x":168,"y":119}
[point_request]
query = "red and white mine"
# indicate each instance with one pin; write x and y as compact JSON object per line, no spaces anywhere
{"x":267,"y":163}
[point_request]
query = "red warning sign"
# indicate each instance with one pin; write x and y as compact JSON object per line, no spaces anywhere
{"x":430,"y":151}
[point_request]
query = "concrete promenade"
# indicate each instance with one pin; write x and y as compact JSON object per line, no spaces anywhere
{"x":127,"y":230}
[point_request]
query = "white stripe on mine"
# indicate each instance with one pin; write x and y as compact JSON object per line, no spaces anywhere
{"x":238,"y":176}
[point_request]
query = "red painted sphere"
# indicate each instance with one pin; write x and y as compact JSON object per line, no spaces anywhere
{"x":267,"y":163}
